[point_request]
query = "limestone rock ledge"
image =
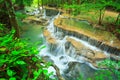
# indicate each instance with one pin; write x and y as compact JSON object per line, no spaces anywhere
{"x":90,"y":55}
{"x":52,"y":43}
{"x":98,"y":42}
{"x":34,"y":19}
{"x":48,"y":37}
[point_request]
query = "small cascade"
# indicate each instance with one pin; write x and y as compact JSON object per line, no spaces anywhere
{"x":72,"y":61}
{"x":60,"y":49}
{"x":61,"y":53}
{"x":91,"y":41}
{"x":72,"y":53}
{"x":44,"y":14}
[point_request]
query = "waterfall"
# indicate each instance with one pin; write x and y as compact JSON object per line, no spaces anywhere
{"x":63,"y":54}
{"x":44,"y":14}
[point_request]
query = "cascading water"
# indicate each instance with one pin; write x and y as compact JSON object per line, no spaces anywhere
{"x":72,"y":61}
{"x":64,"y":56}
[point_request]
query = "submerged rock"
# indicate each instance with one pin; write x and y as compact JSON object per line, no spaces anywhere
{"x":48,"y":59}
{"x":77,"y":70}
{"x":33,"y":19}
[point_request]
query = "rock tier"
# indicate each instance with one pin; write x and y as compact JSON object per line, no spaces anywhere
{"x":97,"y":41}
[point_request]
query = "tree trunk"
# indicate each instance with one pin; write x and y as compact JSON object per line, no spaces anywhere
{"x":42,"y":3}
{"x":4,"y":17}
{"x":12,"y":17}
{"x":78,"y":2}
{"x":100,"y":17}
{"x":69,"y":3}
{"x":20,"y":4}
{"x":38,"y":5}
{"x":117,"y":18}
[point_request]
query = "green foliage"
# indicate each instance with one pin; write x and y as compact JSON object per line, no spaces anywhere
{"x":23,"y":2}
{"x":76,"y":9}
{"x":110,"y":19}
{"x":20,"y":16}
{"x":35,"y":3}
{"x":18,"y":60}
{"x":118,"y":30}
{"x":1,"y":1}
{"x":1,"y":26}
{"x":110,"y":73}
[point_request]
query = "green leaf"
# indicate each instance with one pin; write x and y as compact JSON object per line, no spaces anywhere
{"x":10,"y":72}
{"x":39,"y":71}
{"x":42,"y":47}
{"x":35,"y":73}
{"x":20,"y":62}
{"x":13,"y":31}
{"x":2,"y":59}
{"x":1,"y":1}
{"x":45,"y":71}
{"x":12,"y":78}
{"x":15,"y":52}
{"x":2,"y":79}
{"x":34,"y":59}
{"x":2,"y":49}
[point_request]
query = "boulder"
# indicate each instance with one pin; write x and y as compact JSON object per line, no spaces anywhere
{"x":48,"y":37}
{"x":52,"y":43}
{"x":88,"y":54}
{"x":77,"y":70}
{"x":47,"y":59}
{"x":114,"y":57}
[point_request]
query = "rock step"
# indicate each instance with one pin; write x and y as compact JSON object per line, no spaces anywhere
{"x":99,"y":44}
{"x":82,"y":50}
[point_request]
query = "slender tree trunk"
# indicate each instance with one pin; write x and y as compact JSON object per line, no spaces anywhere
{"x":38,"y":5}
{"x":12,"y":17}
{"x":42,"y":3}
{"x":20,"y":4}
{"x":4,"y":17}
{"x":69,"y":3}
{"x":100,"y":17}
{"x":117,"y":18}
{"x":78,"y":2}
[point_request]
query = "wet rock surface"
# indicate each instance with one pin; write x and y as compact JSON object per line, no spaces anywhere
{"x":52,"y":43}
{"x":48,"y":37}
{"x":35,"y":20}
{"x":81,"y":50}
{"x":59,"y":47}
{"x":76,"y":70}
{"x":51,"y":12}
{"x":98,"y":41}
